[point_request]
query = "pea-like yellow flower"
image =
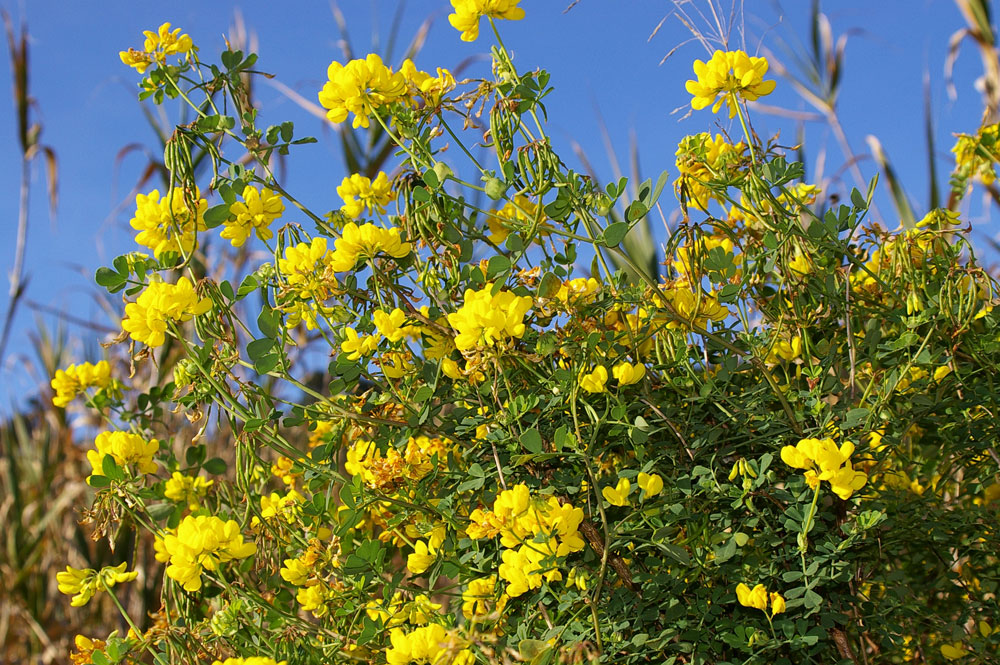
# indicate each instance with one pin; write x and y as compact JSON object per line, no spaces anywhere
{"x":652,"y":484}
{"x":253,"y":214}
{"x":392,"y":325}
{"x":126,"y":449}
{"x":361,"y":194}
{"x":479,"y":596}
{"x":777,"y":603}
{"x":187,"y":489}
{"x":756,"y":597}
{"x":75,"y":379}
{"x":168,"y":224}
{"x":198,"y":544}
{"x":485,"y":319}
{"x":146,"y":319}
{"x":627,"y":374}
{"x":467,"y":13}
{"x":157,"y":47}
{"x":360,"y":87}
{"x":355,"y":345}
{"x":726,"y":76}
{"x":422,"y":557}
{"x":83,"y":583}
{"x":822,"y":460}
{"x":618,"y":495}
{"x":595,"y":380}
{"x":365,"y":242}
{"x":427,"y":644}
{"x":424,"y":86}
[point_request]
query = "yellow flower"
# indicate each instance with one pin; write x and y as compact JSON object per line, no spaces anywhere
{"x":467,"y":13}
{"x":82,"y":584}
{"x":253,"y":214}
{"x":198,"y":544}
{"x":618,"y":495}
{"x":628,"y":374}
{"x":392,"y":325}
{"x":594,"y":382}
{"x":126,"y":448}
{"x":187,"y":489}
{"x":478,"y":596}
{"x":356,"y":346}
{"x":360,"y":87}
{"x":169,"y":224}
{"x":431,"y":89}
{"x":286,"y":507}
{"x":484,"y":318}
{"x":731,"y":74}
{"x":756,"y":598}
{"x":427,"y":644}
{"x":146,"y":319}
{"x":157,"y":47}
{"x":361,"y":194}
{"x":777,"y":603}
{"x":824,"y":460}
{"x":364,"y":242}
{"x":421,"y":558}
{"x":651,"y":484}
{"x":73,"y":380}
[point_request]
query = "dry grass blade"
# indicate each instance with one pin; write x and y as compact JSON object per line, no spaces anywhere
{"x":980,"y":30}
{"x":899,"y":197}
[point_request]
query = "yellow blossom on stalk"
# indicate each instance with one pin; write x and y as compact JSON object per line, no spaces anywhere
{"x":75,"y":379}
{"x":157,"y":47}
{"x":618,"y":495}
{"x":755,"y":598}
{"x":975,"y":156}
{"x":168,"y":224}
{"x":652,"y":484}
{"x":198,"y":544}
{"x":85,"y":648}
{"x":355,"y":345}
{"x":187,"y":489}
{"x":422,"y":557}
{"x":685,"y":262}
{"x":360,"y":87}
{"x":427,"y":644}
{"x":467,"y":13}
{"x":308,"y":273}
{"x":730,"y":74}
{"x":254,"y":213}
{"x":82,"y":584}
{"x":485,"y":524}
{"x":361,"y":194}
{"x":146,"y":319}
{"x":485,"y":319}
{"x":595,"y":380}
{"x":286,"y":507}
{"x":392,"y":325}
{"x":701,"y":159}
{"x":519,"y":213}
{"x":781,"y":349}
{"x":627,"y":374}
{"x":822,"y":460}
{"x":429,"y":88}
{"x":579,"y":290}
{"x":693,"y":308}
{"x":395,"y":365}
{"x":252,"y":660}
{"x":365,"y":242}
{"x":126,"y":449}
{"x":479,"y":595}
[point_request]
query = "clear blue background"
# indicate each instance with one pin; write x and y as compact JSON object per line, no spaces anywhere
{"x":600,"y":53}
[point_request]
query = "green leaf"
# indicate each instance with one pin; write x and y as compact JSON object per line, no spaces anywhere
{"x":215,"y":466}
{"x":216,"y":215}
{"x":549,"y":286}
{"x":497,"y":264}
{"x":615,"y":233}
{"x":431,"y":179}
{"x":259,"y":348}
{"x":532,"y":441}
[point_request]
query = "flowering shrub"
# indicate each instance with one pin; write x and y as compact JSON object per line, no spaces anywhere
{"x":453,"y":443}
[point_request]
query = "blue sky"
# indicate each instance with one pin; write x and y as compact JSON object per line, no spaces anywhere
{"x":599,"y":53}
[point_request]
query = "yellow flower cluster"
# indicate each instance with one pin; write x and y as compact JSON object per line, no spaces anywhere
{"x":253,"y":214}
{"x":361,"y":194}
{"x":286,"y":507}
{"x":198,"y":544}
{"x":594,"y":381}
{"x":126,"y":449}
{"x":480,"y":599}
{"x":533,"y":531}
{"x":147,"y":318}
{"x":467,"y":13}
{"x":392,"y":325}
{"x":73,"y":380}
{"x":693,"y":309}
{"x":310,"y":281}
{"x":365,"y":242}
{"x":424,"y":86}
{"x":758,"y":598}
{"x":430,"y":644}
{"x":701,"y":159}
{"x":485,"y":319}
{"x":688,"y":258}
{"x":360,"y":87}
{"x":386,"y":472}
{"x":582,"y":290}
{"x":730,"y":74}
{"x":168,"y":224}
{"x":83,"y":583}
{"x":517,"y":214}
{"x":976,"y":155}
{"x":187,"y":489}
{"x":627,"y":374}
{"x":157,"y":47}
{"x":822,"y":460}
{"x":309,"y":571}
{"x":651,"y":484}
